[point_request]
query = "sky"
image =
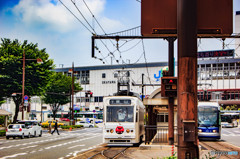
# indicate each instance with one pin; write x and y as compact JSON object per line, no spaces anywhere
{"x":67,"y":40}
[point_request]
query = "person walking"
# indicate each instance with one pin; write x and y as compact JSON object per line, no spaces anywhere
{"x":49,"y":128}
{"x":56,"y":127}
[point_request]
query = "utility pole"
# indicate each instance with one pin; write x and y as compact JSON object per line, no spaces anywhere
{"x":187,"y":79}
{"x":23,"y":84}
{"x":73,"y":93}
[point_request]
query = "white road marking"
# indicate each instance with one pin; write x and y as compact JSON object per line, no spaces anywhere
{"x":15,"y":155}
{"x":75,"y":146}
{"x":28,"y":147}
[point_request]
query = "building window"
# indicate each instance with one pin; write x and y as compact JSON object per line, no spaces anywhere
{"x":103,"y":75}
{"x":100,"y":99}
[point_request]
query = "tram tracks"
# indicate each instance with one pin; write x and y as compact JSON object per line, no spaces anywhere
{"x":107,"y":153}
{"x":222,"y":150}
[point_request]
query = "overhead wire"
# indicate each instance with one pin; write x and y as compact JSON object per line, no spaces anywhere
{"x":76,"y":17}
{"x":144,"y":53}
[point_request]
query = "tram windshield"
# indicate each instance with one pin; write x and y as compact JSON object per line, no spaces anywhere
{"x":208,"y":117}
{"x":120,"y":114}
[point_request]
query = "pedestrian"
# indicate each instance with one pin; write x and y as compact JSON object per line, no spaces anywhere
{"x":56,"y":127}
{"x":49,"y":127}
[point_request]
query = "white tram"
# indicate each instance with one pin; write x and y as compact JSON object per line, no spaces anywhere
{"x":123,"y":118}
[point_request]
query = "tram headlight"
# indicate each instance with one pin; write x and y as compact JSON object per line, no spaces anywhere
{"x":108,"y":131}
{"x":200,"y":130}
{"x":111,"y":130}
{"x":214,"y":131}
{"x":131,"y":130}
{"x":127,"y":130}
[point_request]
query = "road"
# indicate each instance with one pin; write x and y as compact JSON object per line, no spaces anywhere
{"x":65,"y":145}
{"x":231,"y":135}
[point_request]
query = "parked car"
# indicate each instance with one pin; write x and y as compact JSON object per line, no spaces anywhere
{"x":64,"y":119}
{"x":85,"y":124}
{"x":17,"y":130}
{"x":34,"y":127}
{"x":46,"y":123}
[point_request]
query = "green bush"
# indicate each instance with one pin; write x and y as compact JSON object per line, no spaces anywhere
{"x":44,"y":126}
{"x":71,"y":126}
{"x":2,"y":132}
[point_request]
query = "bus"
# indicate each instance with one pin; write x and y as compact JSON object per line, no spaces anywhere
{"x":229,"y":119}
{"x":88,"y":116}
{"x":209,"y":120}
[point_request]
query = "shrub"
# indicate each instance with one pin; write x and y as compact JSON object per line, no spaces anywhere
{"x":45,"y":126}
{"x":2,"y":132}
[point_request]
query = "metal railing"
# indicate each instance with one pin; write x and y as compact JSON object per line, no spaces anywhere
{"x":158,"y":134}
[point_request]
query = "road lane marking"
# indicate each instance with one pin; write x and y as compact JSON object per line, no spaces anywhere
{"x":29,"y":147}
{"x":15,"y":155}
{"x":75,"y":146}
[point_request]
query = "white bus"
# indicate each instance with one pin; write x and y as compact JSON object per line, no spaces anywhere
{"x":229,"y":119}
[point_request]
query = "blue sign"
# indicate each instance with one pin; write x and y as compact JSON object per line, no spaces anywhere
{"x":159,"y":75}
{"x":25,"y":97}
{"x":94,"y":116}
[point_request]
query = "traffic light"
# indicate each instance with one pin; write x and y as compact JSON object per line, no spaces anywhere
{"x":169,"y":87}
{"x":91,"y":93}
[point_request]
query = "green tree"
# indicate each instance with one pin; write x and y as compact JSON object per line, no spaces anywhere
{"x":58,"y":91}
{"x":36,"y":75}
{"x":234,"y":107}
{"x":228,"y":108}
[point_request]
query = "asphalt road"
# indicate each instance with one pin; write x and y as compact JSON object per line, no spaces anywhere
{"x":65,"y":145}
{"x":231,"y":135}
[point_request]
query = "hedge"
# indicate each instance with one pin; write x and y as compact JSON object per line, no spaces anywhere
{"x":2,"y":132}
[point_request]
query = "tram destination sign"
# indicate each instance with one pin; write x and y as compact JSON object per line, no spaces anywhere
{"x":216,"y":53}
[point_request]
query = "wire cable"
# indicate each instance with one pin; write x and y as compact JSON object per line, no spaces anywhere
{"x":76,"y":17}
{"x":146,"y":61}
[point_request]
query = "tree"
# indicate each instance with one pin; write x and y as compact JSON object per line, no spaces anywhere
{"x":58,"y":91}
{"x":36,"y":75}
{"x":228,"y":108}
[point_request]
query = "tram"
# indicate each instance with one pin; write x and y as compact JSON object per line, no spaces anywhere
{"x":209,"y":120}
{"x":123,"y":118}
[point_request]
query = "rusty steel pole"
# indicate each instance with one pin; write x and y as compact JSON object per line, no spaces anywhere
{"x":23,"y":84}
{"x":187,"y":79}
{"x":171,"y":99}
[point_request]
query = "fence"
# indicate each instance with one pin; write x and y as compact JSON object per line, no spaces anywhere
{"x":158,"y":134}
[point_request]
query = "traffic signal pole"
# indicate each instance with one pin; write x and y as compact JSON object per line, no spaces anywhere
{"x":187,"y":79}
{"x":171,"y":99}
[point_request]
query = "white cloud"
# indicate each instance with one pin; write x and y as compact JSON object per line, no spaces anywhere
{"x":55,"y":17}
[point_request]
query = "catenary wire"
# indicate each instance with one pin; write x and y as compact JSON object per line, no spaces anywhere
{"x":76,"y":17}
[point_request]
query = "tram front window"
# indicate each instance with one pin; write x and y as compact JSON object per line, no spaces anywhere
{"x":119,"y":113}
{"x":207,"y":117}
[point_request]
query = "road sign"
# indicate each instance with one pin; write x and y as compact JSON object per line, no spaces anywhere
{"x":25,"y":97}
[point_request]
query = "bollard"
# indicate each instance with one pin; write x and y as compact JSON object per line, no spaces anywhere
{"x":70,"y":129}
{"x":172,"y":150}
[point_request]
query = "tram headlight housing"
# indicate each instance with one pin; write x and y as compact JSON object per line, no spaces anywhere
{"x":200,"y":130}
{"x":214,"y":131}
{"x":111,"y":130}
{"x":108,"y":131}
{"x":131,"y":130}
{"x":127,"y":130}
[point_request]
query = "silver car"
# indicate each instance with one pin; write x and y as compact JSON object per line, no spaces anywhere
{"x":34,"y":127}
{"x":85,"y":124}
{"x":17,"y":130}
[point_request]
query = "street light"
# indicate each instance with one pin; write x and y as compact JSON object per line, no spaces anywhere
{"x":23,"y":78}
